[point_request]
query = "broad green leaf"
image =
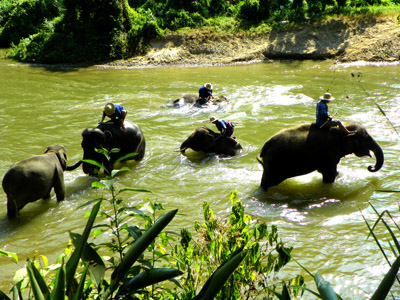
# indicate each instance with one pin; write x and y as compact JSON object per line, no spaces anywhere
{"x":125,"y":157}
{"x":148,"y":278}
{"x":137,"y":249}
{"x":134,"y":190}
{"x":324,"y":287}
{"x":97,"y":267}
{"x":79,"y":291}
{"x":9,"y":254}
{"x":59,"y":284}
{"x":94,"y":163}
{"x":38,"y":285}
{"x":72,"y":263}
{"x":98,"y":185}
{"x":387,"y":282}
{"x":217,"y":280}
{"x":115,"y":172}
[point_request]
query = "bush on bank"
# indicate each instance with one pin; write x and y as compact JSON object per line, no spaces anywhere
{"x":75,"y":31}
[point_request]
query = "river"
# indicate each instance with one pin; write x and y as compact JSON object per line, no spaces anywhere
{"x":42,"y":106}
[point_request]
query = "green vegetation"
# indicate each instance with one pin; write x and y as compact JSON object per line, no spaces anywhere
{"x":231,"y":258}
{"x":142,"y":261}
{"x":76,"y":31}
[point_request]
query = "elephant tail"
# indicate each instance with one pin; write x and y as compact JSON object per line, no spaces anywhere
{"x":259,"y":160}
{"x":74,"y":166}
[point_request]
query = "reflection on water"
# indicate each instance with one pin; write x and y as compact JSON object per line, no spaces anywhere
{"x":322,"y":222}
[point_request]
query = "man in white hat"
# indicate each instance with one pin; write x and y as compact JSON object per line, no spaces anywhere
{"x":116,"y":113}
{"x":323,"y":118}
{"x":205,"y":93}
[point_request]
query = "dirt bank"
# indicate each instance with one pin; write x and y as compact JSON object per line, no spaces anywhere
{"x":369,"y":39}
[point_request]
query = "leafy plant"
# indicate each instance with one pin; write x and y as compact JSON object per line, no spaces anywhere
{"x":219,"y":239}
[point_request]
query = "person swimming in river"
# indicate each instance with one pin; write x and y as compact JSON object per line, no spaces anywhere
{"x":116,"y":113}
{"x":323,"y":119}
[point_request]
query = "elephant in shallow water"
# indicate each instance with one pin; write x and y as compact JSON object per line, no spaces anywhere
{"x":110,"y":136}
{"x":194,"y":99}
{"x":305,"y":148}
{"x":33,"y":178}
{"x":208,"y":141}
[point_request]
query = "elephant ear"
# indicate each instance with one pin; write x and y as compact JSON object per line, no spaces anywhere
{"x":62,"y":158}
{"x":349,"y":143}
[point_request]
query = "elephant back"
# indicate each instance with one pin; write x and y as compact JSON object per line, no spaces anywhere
{"x":129,"y":140}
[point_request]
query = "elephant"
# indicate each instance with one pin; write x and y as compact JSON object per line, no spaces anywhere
{"x":208,"y":141}
{"x":33,"y":178}
{"x":305,"y":148}
{"x":194,"y":99}
{"x":109,"y":136}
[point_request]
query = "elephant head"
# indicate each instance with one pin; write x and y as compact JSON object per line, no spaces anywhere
{"x":61,"y":154}
{"x":92,"y":139}
{"x":361,"y":143}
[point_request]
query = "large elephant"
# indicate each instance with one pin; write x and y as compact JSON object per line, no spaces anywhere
{"x":305,"y":148}
{"x":33,"y":178}
{"x":208,"y":141}
{"x":110,"y":136}
{"x":194,"y":99}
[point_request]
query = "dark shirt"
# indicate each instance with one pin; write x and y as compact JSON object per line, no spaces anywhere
{"x":322,"y":113}
{"x":204,"y":92}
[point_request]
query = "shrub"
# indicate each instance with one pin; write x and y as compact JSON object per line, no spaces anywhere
{"x":26,"y":18}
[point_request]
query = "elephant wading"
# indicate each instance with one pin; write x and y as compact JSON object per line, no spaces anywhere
{"x":110,"y":136}
{"x":208,"y":141}
{"x":33,"y":178}
{"x":194,"y":99}
{"x":305,"y":148}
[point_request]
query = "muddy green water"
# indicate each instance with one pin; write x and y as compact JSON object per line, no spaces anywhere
{"x":42,"y":106}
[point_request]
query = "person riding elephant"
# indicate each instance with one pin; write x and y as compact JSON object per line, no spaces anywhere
{"x":110,"y":136}
{"x":194,"y":99}
{"x":208,"y":141}
{"x":116,"y":113}
{"x":305,"y":148}
{"x":33,"y":178}
{"x":205,"y":94}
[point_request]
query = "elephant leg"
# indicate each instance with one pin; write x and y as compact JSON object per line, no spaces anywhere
{"x":59,"y":189}
{"x":329,"y":174}
{"x":12,"y":207}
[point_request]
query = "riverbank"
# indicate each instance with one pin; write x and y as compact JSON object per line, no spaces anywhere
{"x":373,"y":38}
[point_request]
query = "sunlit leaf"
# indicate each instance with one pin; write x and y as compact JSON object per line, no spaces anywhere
{"x":9,"y":254}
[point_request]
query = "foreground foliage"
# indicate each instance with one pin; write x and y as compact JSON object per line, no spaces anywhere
{"x":139,"y":258}
{"x":72,"y":31}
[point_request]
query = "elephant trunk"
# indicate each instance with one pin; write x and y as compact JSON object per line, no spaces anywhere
{"x":74,"y":166}
{"x":374,"y":147}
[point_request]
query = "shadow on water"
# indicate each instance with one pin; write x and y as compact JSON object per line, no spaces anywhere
{"x":299,"y":195}
{"x":34,"y":210}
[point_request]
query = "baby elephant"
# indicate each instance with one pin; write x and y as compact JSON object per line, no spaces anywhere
{"x":33,"y":178}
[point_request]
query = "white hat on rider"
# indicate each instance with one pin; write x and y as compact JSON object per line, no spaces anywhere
{"x":327,"y":97}
{"x":109,"y":109}
{"x":208,"y":86}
